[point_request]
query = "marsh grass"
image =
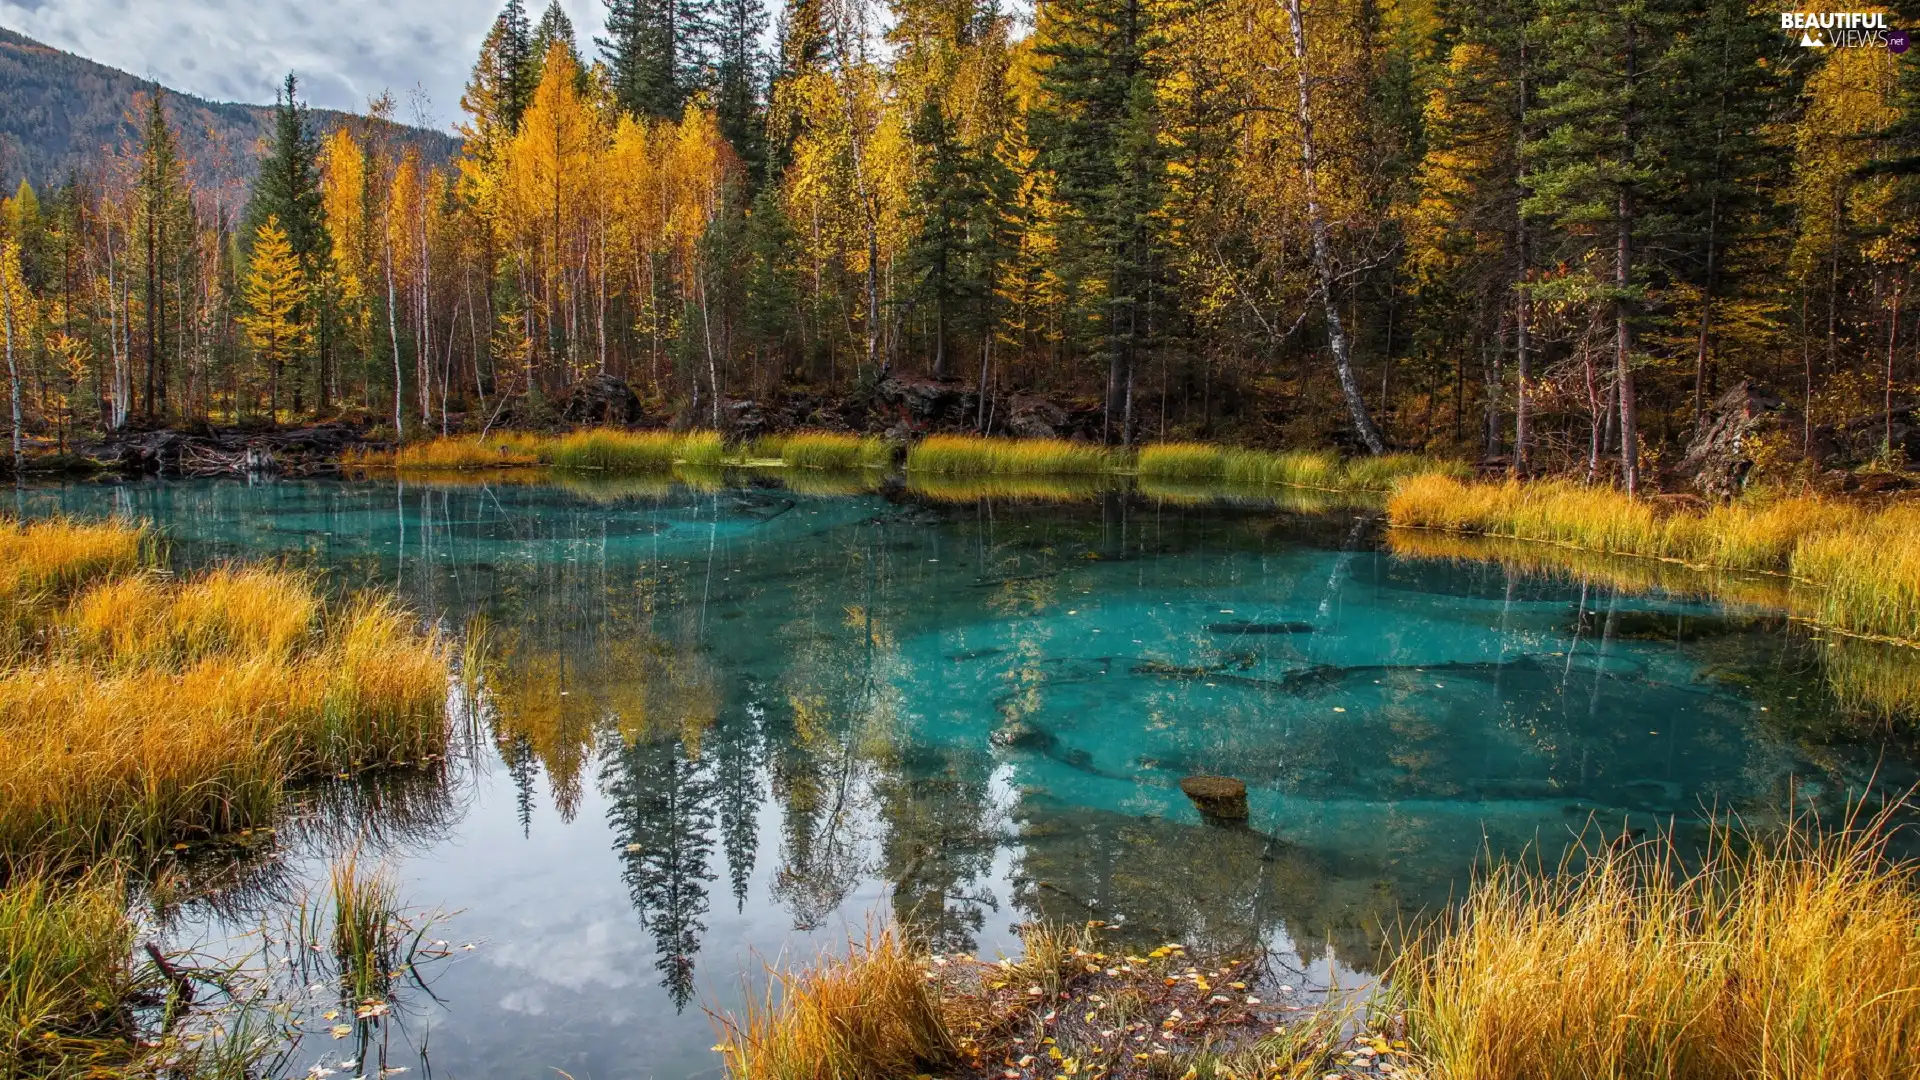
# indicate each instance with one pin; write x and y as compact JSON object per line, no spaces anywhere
{"x":872,"y":1015}
{"x":65,"y":948}
{"x":1780,"y":957}
{"x":612,"y":449}
{"x":970,"y":455}
{"x":1869,"y":575}
{"x":153,"y":710}
{"x":368,"y":929}
{"x":1862,"y":566}
{"x":615,"y":450}
{"x":835,"y":451}
{"x":497,"y":449}
{"x":1195,"y":461}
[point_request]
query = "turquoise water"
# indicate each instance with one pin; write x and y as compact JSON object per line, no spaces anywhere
{"x":728,"y":728}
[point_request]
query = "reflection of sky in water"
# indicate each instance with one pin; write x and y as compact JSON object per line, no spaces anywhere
{"x":733,"y":726}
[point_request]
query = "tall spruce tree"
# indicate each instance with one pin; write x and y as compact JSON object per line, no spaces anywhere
{"x":1097,"y":130}
{"x":553,"y":28}
{"x":1601,"y":173}
{"x":287,"y":191}
{"x":165,"y":224}
{"x":739,"y":71}
{"x":653,"y":51}
{"x":502,"y":82}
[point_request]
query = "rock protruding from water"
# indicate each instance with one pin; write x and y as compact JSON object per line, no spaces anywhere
{"x":1220,"y":799}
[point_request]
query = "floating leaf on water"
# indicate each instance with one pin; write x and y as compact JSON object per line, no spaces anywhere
{"x":341,"y":1031}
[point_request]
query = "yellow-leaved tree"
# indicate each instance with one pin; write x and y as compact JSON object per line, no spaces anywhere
{"x":275,"y":289}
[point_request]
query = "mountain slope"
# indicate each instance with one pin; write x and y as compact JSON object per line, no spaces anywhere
{"x":60,"y":112}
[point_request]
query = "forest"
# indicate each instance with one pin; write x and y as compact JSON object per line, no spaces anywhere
{"x":1548,"y":233}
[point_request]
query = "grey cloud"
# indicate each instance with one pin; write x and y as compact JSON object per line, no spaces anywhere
{"x":344,"y":51}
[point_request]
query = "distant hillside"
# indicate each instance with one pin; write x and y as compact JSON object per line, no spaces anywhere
{"x":60,"y":112}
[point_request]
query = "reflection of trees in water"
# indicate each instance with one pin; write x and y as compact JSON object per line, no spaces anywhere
{"x":662,"y":811}
{"x":940,"y":842}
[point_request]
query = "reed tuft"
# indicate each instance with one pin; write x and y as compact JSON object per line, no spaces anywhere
{"x":869,"y":1016}
{"x":971,"y":455}
{"x":1790,"y":958}
{"x":836,"y":451}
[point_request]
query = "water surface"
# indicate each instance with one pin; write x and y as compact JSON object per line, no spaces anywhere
{"x":725,"y":727}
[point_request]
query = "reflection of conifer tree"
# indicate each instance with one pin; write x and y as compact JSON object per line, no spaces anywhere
{"x":940,"y":845}
{"x":662,"y":812}
{"x":524,"y":768}
{"x":736,"y":757}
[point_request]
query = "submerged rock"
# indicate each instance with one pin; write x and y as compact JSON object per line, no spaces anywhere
{"x":1260,"y":628}
{"x":1220,"y":799}
{"x":1022,"y":736}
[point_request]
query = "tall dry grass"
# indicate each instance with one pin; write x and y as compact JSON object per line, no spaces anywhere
{"x":615,"y":450}
{"x":1862,"y":564}
{"x":1793,"y":958}
{"x":972,"y":455}
{"x":871,"y":1015}
{"x":834,"y":450}
{"x":152,"y":710}
{"x":497,"y":449}
{"x":1869,"y":575}
{"x":1197,"y":461}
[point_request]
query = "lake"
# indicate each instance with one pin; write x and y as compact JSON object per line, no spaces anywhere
{"x":728,"y":724}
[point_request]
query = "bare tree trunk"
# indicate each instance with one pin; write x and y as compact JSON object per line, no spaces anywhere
{"x":393,"y":332}
{"x":1622,"y":307}
{"x":1322,"y":255}
{"x":1893,"y":336}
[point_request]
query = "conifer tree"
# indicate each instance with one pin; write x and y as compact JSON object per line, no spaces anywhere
{"x":739,"y":69}
{"x":554,"y":28}
{"x":164,"y":222}
{"x":275,"y":292}
{"x":498,"y":91}
{"x":1097,"y":131}
{"x":1601,"y":166}
{"x":653,"y":55}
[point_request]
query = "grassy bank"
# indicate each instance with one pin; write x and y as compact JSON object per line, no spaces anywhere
{"x":1773,"y":958}
{"x":969,"y":455}
{"x":1864,"y":573}
{"x":1065,"y":1006}
{"x":65,"y":949}
{"x":1193,"y":461}
{"x":139,"y":710}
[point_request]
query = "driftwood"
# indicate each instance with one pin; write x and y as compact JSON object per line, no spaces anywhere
{"x":211,"y":451}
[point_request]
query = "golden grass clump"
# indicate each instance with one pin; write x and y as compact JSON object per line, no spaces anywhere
{"x":1182,"y":461}
{"x":497,"y":449}
{"x":142,"y":620}
{"x":1862,"y":565}
{"x":1796,"y":958}
{"x":870,"y":1016}
{"x":834,"y":450}
{"x":965,"y":489}
{"x":65,"y":945}
{"x":56,"y":556}
{"x":1383,"y":472}
{"x":972,"y":455}
{"x":157,"y":709}
{"x":613,"y":449}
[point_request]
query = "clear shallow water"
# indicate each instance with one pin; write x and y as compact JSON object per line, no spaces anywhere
{"x":726,"y":727}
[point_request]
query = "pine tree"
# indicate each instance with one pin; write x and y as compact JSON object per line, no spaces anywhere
{"x":554,"y":28}
{"x":501,"y":86}
{"x":164,"y":224}
{"x":653,"y":55}
{"x":1601,"y":167}
{"x":739,"y":69}
{"x":275,"y":292}
{"x":1097,"y":132}
{"x":287,"y":186}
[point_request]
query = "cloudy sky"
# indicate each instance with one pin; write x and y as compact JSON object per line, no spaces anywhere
{"x":344,"y":51}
